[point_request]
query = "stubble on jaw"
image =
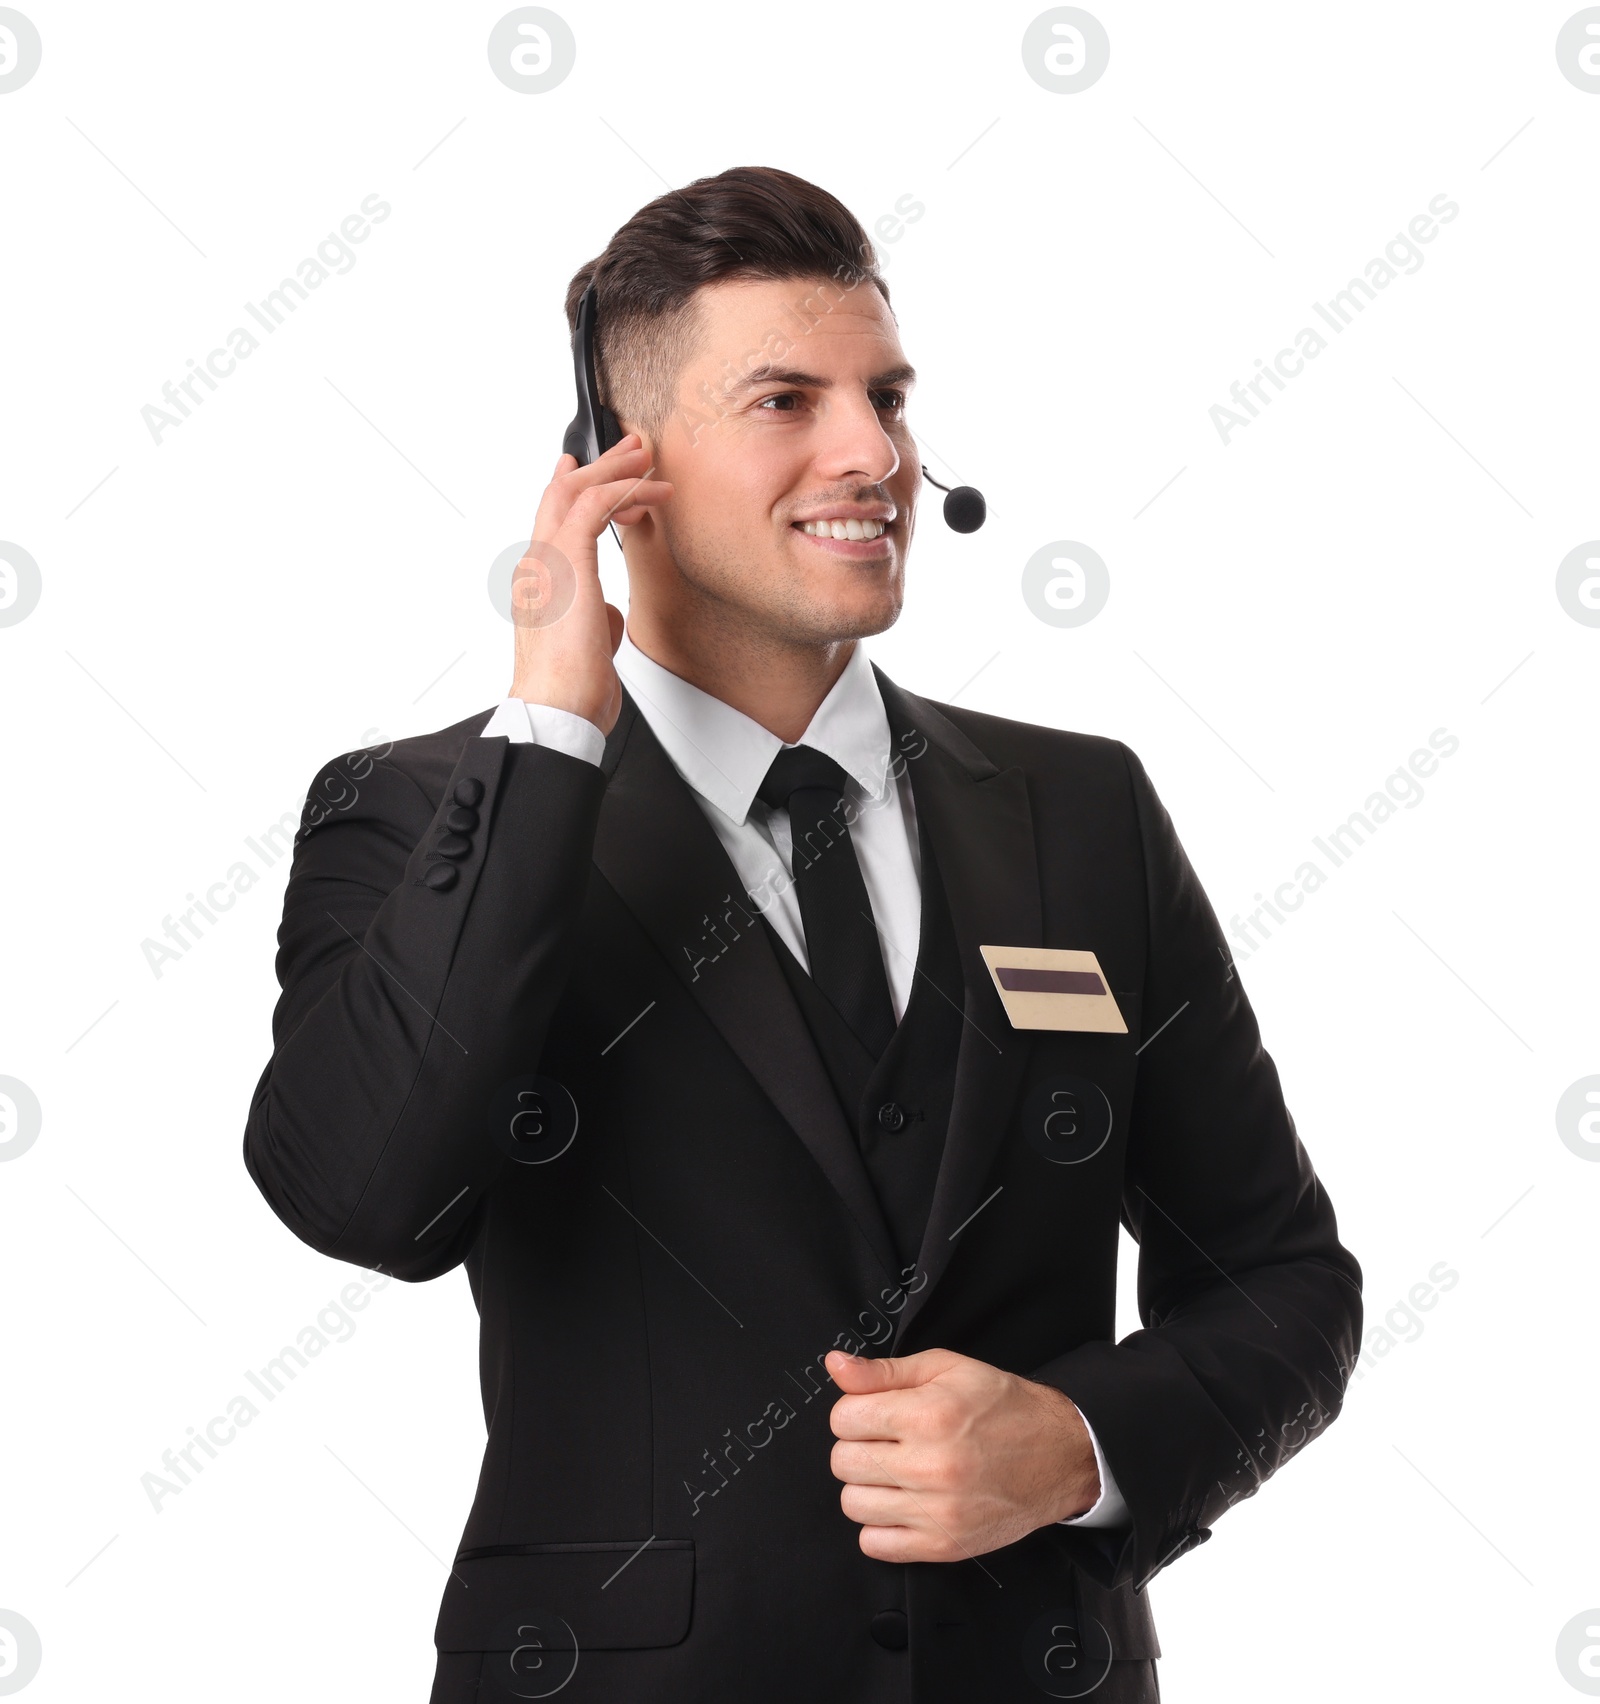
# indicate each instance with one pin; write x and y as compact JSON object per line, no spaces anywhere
{"x":767,"y":631}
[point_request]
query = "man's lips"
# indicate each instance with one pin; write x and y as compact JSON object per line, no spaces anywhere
{"x":851,"y":549}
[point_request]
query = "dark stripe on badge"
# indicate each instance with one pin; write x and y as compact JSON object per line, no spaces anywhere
{"x":1020,"y":981}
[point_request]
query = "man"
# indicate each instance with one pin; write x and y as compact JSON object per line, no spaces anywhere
{"x":658,"y":996}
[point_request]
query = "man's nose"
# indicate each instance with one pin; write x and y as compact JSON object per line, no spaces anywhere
{"x":854,"y":443}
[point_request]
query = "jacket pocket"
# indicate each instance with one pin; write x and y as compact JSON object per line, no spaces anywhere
{"x":622,"y":1596}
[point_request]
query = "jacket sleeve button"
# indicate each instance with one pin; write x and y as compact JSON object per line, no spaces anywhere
{"x":468,"y":792}
{"x":440,"y":877}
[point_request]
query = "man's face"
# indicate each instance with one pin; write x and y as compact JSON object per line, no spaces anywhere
{"x":792,"y":411}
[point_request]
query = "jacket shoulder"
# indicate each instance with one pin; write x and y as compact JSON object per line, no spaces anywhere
{"x":1036,"y":748}
{"x":430,"y":759}
{"x":426,"y":759}
{"x":391,"y":782}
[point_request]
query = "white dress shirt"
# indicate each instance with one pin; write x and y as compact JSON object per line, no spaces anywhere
{"x":723,"y":756}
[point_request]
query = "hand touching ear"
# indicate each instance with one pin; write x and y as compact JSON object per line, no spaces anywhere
{"x":565,"y":632}
{"x":944,"y":1457}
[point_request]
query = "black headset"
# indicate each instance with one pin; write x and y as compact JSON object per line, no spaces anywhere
{"x":594,"y":427}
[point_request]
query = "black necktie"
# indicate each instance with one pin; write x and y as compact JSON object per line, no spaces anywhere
{"x":841,"y":940}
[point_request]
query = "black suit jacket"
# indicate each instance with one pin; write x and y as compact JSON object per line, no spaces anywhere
{"x":657,"y":1288}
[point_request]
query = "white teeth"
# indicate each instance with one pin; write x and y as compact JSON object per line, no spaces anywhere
{"x":843,"y":529}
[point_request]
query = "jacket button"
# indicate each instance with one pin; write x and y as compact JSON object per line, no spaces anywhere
{"x":440,"y":877}
{"x":468,"y":792}
{"x":462,"y":818}
{"x":889,"y":1629}
{"x":452,"y":846}
{"x":892,"y":1117}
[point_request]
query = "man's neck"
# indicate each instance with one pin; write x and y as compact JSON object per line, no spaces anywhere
{"x":776,"y":684}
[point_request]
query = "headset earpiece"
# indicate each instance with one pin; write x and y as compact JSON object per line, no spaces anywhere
{"x":594,"y":428}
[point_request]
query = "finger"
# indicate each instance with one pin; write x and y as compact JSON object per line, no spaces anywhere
{"x":882,"y":1462}
{"x":881,"y":1506}
{"x":615,"y":618}
{"x":630,"y":444}
{"x":860,"y":1373}
{"x":593,"y":508}
{"x":909,"y":1544}
{"x":629,"y":441}
{"x":589,"y":510}
{"x":887,"y":1416}
{"x":630,"y":514}
{"x":565,"y":485}
{"x":630,"y":511}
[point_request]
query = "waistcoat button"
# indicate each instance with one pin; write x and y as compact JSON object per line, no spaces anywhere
{"x":889,"y":1629}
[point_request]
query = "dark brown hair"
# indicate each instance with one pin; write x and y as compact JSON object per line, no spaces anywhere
{"x":747,"y":222}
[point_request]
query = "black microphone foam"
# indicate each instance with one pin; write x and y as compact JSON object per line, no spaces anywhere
{"x":964,"y":509}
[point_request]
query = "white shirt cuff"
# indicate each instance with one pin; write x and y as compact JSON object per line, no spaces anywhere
{"x":542,"y":724}
{"x":1109,"y":1510}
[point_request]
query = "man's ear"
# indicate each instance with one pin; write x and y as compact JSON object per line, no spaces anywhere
{"x":647,"y":443}
{"x":653,"y":471}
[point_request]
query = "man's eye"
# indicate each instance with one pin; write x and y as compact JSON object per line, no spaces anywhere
{"x":780,"y":396}
{"x":891,"y":399}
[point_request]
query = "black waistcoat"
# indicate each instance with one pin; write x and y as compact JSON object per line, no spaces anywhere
{"x":897,"y":1105}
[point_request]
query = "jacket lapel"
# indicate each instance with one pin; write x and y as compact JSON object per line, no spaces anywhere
{"x":981,"y":827}
{"x":656,"y":848}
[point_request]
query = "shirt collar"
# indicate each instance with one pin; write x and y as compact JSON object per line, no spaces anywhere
{"x":724,"y":755}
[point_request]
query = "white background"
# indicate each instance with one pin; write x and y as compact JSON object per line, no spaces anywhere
{"x":305,"y":560}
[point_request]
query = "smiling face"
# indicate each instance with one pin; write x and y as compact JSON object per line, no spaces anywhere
{"x":795,"y":474}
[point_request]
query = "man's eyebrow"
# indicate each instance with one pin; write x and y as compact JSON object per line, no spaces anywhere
{"x":768,"y":374}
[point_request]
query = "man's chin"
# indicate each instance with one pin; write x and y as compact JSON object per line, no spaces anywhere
{"x":854,"y":600}
{"x":833,"y":613}
{"x":819,"y":606}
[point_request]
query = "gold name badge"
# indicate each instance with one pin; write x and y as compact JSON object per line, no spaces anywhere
{"x":1053,"y":988}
